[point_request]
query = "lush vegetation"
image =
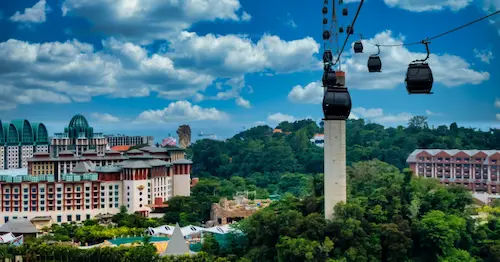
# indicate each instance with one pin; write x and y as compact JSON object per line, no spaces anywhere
{"x":262,"y":155}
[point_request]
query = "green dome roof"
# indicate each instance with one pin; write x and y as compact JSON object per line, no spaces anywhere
{"x":79,"y":122}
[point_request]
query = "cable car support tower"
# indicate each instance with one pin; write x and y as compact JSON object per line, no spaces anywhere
{"x":336,"y":109}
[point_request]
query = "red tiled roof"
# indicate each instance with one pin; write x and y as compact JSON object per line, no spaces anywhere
{"x":121,"y":148}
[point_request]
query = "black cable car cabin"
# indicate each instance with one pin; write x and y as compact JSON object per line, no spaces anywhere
{"x":341,"y":29}
{"x":419,"y":78}
{"x":358,"y":47}
{"x":374,"y":64}
{"x":336,"y":103}
{"x":344,"y":12}
{"x":329,"y":78}
{"x":327,"y":56}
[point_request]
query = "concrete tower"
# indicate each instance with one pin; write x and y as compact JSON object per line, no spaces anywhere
{"x":335,"y":165}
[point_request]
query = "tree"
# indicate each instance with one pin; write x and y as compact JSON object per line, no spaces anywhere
{"x":419,"y":122}
{"x":301,"y":249}
{"x":439,"y":232}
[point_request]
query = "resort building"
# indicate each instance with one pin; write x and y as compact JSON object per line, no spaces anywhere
{"x":19,"y":140}
{"x":78,"y":137}
{"x":123,"y":140}
{"x":140,"y":183}
{"x":477,"y":170}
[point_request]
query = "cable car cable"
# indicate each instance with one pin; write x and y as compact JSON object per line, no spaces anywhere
{"x":348,"y":33}
{"x":441,"y":34}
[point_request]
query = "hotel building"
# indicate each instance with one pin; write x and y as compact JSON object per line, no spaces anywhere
{"x":19,"y":140}
{"x":80,"y":179}
{"x":123,"y":140}
{"x":477,"y":170}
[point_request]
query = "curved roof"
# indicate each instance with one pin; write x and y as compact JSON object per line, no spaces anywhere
{"x":24,"y":130}
{"x":2,"y":135}
{"x":40,"y":133}
{"x":11,"y":134}
{"x":79,"y":122}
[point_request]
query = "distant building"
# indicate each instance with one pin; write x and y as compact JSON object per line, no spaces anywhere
{"x":477,"y":170}
{"x":78,"y":137}
{"x":169,"y":141}
{"x":229,"y":211}
{"x":19,"y":139}
{"x":318,"y":139}
{"x":123,"y":140}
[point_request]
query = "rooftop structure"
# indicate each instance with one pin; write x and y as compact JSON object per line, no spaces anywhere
{"x":79,"y":137}
{"x":124,"y":140}
{"x":177,"y":245}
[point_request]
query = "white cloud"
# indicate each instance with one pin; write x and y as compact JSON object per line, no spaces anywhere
{"x":289,"y":21}
{"x":312,"y":93}
{"x":484,"y":55}
{"x":428,"y":5}
{"x":279,"y":117}
{"x":35,"y":14}
{"x":147,"y":20}
{"x":246,"y":17}
{"x":74,"y":70}
{"x":449,"y":70}
{"x":181,"y":111}
{"x":497,"y":102}
{"x":232,"y":55}
{"x":431,"y":113}
{"x":377,"y":115}
{"x":243,"y":102}
{"x":105,"y":117}
{"x":498,"y":117}
{"x":490,"y":6}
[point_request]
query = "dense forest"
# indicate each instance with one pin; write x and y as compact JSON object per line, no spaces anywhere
{"x":260,"y":151}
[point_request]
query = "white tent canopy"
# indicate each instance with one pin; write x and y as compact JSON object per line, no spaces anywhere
{"x":190,"y":230}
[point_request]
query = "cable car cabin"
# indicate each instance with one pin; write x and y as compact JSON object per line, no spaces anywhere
{"x":326,"y":35}
{"x":325,"y":21}
{"x":344,"y":12}
{"x":341,"y":29}
{"x":324,"y":10}
{"x":329,"y":78}
{"x":327,"y":56}
{"x":358,"y":47}
{"x":374,"y":64}
{"x":419,"y":78}
{"x":336,"y":103}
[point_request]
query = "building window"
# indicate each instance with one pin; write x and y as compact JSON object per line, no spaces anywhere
{"x":78,"y":218}
{"x":87,"y":216}
{"x":69,"y":217}
{"x":59,"y":219}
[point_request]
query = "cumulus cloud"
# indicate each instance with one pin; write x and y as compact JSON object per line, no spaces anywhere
{"x":74,"y":70}
{"x":484,"y":55}
{"x":428,"y":5}
{"x":105,"y":117}
{"x":498,"y":117}
{"x":279,"y":117}
{"x":312,"y":93}
{"x":449,"y":70}
{"x":35,"y":14}
{"x":377,"y":115}
{"x":181,"y":111}
{"x":243,"y":102}
{"x":497,"y":102}
{"x":233,"y":55}
{"x":147,"y":20}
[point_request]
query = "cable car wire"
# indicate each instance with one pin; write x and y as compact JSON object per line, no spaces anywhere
{"x":348,"y":33}
{"x":439,"y":35}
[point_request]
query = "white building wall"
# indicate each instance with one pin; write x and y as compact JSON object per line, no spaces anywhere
{"x":181,"y":185}
{"x":2,"y":157}
{"x":12,"y":157}
{"x":26,"y":153}
{"x":133,"y":198}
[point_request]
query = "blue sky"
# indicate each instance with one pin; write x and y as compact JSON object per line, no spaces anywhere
{"x":145,"y":67}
